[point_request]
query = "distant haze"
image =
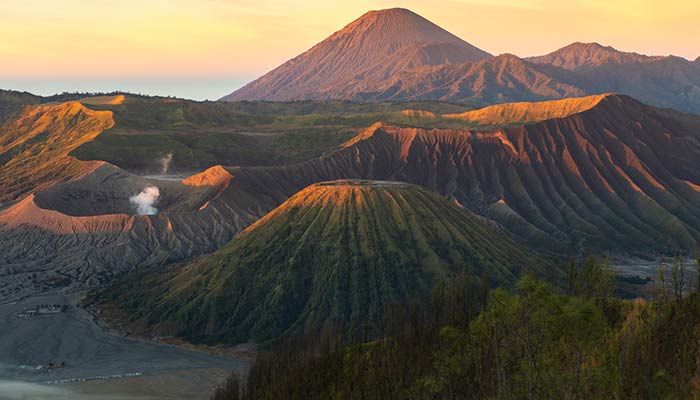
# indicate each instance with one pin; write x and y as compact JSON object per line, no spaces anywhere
{"x":189,"y":88}
{"x":51,"y":46}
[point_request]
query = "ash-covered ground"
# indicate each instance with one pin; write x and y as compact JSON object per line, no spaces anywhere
{"x":60,"y":353}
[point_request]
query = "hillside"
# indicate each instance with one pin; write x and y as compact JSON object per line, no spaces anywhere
{"x":12,"y":102}
{"x":34,"y":146}
{"x":526,"y":112}
{"x":617,"y":176}
{"x":367,"y":51}
{"x":334,"y":252}
{"x":501,"y":79}
{"x":669,"y":82}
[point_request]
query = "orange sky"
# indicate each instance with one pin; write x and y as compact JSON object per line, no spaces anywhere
{"x":48,"y":39}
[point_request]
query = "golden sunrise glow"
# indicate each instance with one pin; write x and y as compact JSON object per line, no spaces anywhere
{"x":142,"y":38}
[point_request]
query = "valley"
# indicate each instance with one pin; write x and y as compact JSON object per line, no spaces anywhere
{"x":68,"y":351}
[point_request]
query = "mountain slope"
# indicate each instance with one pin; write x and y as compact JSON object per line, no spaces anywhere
{"x":333,"y":252}
{"x":397,"y":55}
{"x":370,"y":49}
{"x":34,"y":147}
{"x":606,"y":173}
{"x":501,"y":79}
{"x":669,"y":82}
{"x":589,"y":55}
{"x":617,"y":176}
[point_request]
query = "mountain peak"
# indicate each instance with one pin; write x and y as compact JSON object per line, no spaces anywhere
{"x":391,"y":12}
{"x":392,"y":27}
{"x":378,"y":45}
{"x":588,"y":55}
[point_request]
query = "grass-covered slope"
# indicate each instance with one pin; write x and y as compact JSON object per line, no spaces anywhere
{"x":198,"y":135}
{"x":34,"y":146}
{"x":335,"y":252}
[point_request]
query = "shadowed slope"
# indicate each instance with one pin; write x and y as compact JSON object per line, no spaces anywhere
{"x":333,"y":252}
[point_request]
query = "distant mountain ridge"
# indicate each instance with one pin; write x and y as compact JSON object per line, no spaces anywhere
{"x":397,"y":55}
{"x":589,"y":55}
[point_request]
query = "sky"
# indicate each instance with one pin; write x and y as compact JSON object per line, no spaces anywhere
{"x":205,"y":49}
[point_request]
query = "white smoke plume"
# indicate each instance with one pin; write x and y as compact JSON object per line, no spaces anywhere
{"x":165,"y":163}
{"x":145,"y":200}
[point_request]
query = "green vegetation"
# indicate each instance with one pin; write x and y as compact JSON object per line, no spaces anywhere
{"x":533,"y":343}
{"x":335,"y":253}
{"x":202,"y":134}
{"x":11,"y":103}
{"x":34,"y":147}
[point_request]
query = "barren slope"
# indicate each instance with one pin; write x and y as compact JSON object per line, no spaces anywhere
{"x":368,"y":50}
{"x":527,"y":112}
{"x":84,"y":232}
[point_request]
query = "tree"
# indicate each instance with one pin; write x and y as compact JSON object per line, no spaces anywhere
{"x":591,"y":278}
{"x":678,"y":277}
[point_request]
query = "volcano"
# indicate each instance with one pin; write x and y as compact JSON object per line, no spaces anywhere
{"x":368,"y":51}
{"x":332,"y":251}
{"x":396,"y":55}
